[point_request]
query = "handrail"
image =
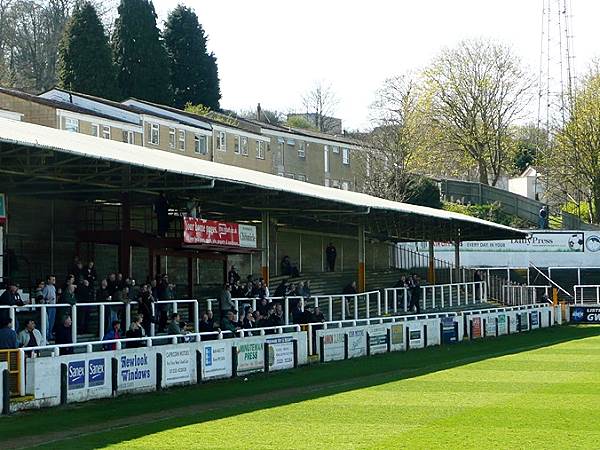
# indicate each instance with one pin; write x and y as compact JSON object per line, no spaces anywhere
{"x":580,"y":300}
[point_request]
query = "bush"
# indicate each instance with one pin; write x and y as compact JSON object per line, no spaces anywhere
{"x":490,"y":211}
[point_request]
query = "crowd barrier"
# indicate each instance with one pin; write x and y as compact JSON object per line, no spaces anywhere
{"x":587,"y":294}
{"x":153,"y":363}
{"x":105,"y":310}
{"x":525,"y":294}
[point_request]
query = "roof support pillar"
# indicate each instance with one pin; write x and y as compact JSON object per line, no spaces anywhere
{"x":125,"y":243}
{"x":431,"y":270}
{"x":362,"y":281}
{"x":457,"y":271}
{"x":265,"y":237}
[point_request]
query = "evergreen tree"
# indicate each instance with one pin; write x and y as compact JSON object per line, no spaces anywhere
{"x":139,"y":53}
{"x":194,"y":73}
{"x":84,"y":56}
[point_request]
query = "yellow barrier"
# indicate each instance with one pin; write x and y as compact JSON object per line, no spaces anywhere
{"x":13,"y":359}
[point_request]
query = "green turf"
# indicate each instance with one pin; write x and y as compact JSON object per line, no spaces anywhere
{"x":539,"y":389}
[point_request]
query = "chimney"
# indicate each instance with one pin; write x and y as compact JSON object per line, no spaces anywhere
{"x":258,"y":113}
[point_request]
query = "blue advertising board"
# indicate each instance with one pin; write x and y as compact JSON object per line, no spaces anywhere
{"x":96,"y":372}
{"x":449,"y":331}
{"x":585,"y":314}
{"x":76,"y":375}
{"x":534,"y":319}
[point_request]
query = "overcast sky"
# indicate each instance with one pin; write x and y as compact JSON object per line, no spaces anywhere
{"x":271,"y":51}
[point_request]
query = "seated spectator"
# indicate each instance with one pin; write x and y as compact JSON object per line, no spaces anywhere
{"x":237,"y":291}
{"x":233,"y":277}
{"x":206,"y":325}
{"x":281,"y":289}
{"x":89,"y":274}
{"x":10,"y":297}
{"x":8,"y":336}
{"x":64,"y":336}
{"x":298,"y":316}
{"x":263,"y":306}
{"x":248,"y":321}
{"x":277,"y":316}
{"x":114,"y":333}
{"x":228,"y":323}
{"x":136,"y":330}
{"x":318,"y":315}
{"x":287,"y":268}
{"x":83,"y":293}
{"x":174,"y":327}
{"x":30,"y":336}
{"x":211,"y":319}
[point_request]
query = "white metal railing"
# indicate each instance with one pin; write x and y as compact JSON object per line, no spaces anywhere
{"x":516,"y":294}
{"x":587,"y":294}
{"x":441,"y":295}
{"x":343,"y":305}
{"x":74,"y":310}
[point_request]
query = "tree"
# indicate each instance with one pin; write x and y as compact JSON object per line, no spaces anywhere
{"x":397,"y":137}
{"x":573,"y":162}
{"x":477,"y":91}
{"x":84,"y":55}
{"x":529,"y":141}
{"x":139,"y":54}
{"x":320,"y":103}
{"x":300,"y":122}
{"x":194,"y":75}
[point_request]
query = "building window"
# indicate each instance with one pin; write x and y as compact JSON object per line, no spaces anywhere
{"x":346,"y":156}
{"x":222,"y":141}
{"x":95,"y":130}
{"x":72,"y":125}
{"x":326,"y":182}
{"x":154,"y":134}
{"x":182,"y":140}
{"x":345,"y":186}
{"x":335,"y":149}
{"x":291,"y":142}
{"x":301,"y":150}
{"x":128,"y":137}
{"x":236,"y":145}
{"x":244,"y":146}
{"x":301,"y":177}
{"x":105,"y":132}
{"x":260,"y":150}
{"x":172,"y":132}
{"x":326,"y":159}
{"x":200,"y":146}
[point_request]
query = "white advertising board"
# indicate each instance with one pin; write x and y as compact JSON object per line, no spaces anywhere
{"x":333,"y":344}
{"x":377,"y":338}
{"x":502,"y":324}
{"x":216,"y":359}
{"x":179,"y":363}
{"x":490,"y":325}
{"x":397,"y":337}
{"x":357,"y":342}
{"x":136,"y":369}
{"x":250,"y":355}
{"x":281,"y":355}
{"x":415,"y":333}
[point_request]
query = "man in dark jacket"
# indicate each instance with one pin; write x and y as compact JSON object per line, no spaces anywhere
{"x":10,"y":297}
{"x":64,"y":336}
{"x":8,"y":336}
{"x":331,"y":254}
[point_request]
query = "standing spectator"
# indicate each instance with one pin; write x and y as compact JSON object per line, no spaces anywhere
{"x":111,"y":283}
{"x":415,"y":291}
{"x":69,"y":294}
{"x":331,"y":254}
{"x":114,"y":333}
{"x":8,"y":336}
{"x":281,"y":289}
{"x":103,"y":294}
{"x":233,"y":276}
{"x":64,"y":336}
{"x":90,"y":274}
{"x":543,"y":219}
{"x":49,"y":293}
{"x":30,"y":336}
{"x":145,"y":302}
{"x":161,"y":209}
{"x":78,"y":272}
{"x":10,"y":297}
{"x":349,"y":290}
{"x":225,"y":301}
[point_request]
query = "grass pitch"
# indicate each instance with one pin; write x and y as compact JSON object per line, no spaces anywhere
{"x":536,"y":390}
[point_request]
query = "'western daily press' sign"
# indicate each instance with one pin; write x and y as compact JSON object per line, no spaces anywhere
{"x":585,"y":314}
{"x":137,"y":369}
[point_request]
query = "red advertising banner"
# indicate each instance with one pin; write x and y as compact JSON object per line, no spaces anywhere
{"x":214,"y":232}
{"x":476,"y":328}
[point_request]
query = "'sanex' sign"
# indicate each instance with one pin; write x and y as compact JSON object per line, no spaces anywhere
{"x":585,"y":314}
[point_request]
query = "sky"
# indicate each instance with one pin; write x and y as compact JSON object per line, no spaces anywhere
{"x":273,"y":51}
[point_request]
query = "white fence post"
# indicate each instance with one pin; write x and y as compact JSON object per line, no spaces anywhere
{"x":74,"y":323}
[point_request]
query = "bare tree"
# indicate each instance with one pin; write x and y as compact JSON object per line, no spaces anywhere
{"x":320,"y":103}
{"x":477,"y":91}
{"x":397,"y":137}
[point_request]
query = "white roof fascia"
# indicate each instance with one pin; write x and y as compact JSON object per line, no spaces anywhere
{"x":301,"y":137}
{"x":233,"y":130}
{"x":99,"y":120}
{"x":165,"y":112}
